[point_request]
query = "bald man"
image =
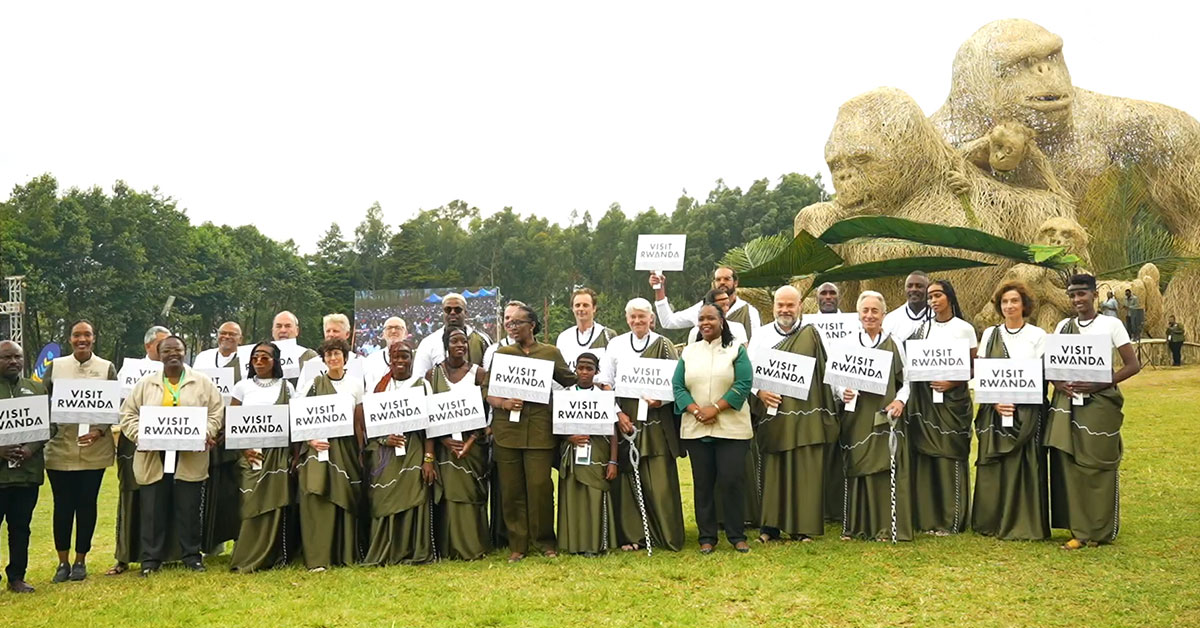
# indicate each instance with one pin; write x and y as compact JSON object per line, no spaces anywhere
{"x":430,"y":352}
{"x":285,"y":326}
{"x":827,"y":298}
{"x":21,"y":471}
{"x":376,"y":365}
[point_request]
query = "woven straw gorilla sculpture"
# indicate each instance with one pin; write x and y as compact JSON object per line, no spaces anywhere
{"x":887,"y":158}
{"x":1014,"y":71}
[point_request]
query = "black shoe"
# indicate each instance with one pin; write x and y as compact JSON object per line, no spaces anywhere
{"x":147,"y":570}
{"x":62,"y":574}
{"x":78,"y":572}
{"x":19,"y":586}
{"x":195,"y":565}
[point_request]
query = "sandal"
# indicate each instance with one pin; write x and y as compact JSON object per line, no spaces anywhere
{"x":117,"y":569}
{"x":804,"y":538}
{"x":516,"y":557}
{"x":742,"y":547}
{"x":706,"y":548}
{"x":766,"y":538}
{"x":550,"y":554}
{"x":1073,"y":544}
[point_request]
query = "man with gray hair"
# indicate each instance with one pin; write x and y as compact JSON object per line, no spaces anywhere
{"x":151,"y":338}
{"x":336,"y":326}
{"x":430,"y":352}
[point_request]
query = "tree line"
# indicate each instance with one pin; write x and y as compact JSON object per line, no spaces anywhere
{"x":114,"y":257}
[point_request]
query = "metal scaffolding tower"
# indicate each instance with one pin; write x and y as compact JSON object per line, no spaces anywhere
{"x":15,"y":308}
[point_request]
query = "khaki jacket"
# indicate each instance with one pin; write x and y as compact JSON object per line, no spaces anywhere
{"x":63,"y":452}
{"x":197,"y":390}
{"x":707,"y":373}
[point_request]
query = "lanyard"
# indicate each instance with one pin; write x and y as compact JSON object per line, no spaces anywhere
{"x":174,"y":391}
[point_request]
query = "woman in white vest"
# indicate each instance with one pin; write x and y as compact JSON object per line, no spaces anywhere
{"x":712,"y":380}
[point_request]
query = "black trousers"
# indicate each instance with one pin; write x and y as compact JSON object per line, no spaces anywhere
{"x":719,"y":465}
{"x":165,"y":503}
{"x":16,"y":507}
{"x":1176,"y":352}
{"x":75,"y":494}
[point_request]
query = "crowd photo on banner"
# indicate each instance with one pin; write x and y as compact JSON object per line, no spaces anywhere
{"x":432,"y":427}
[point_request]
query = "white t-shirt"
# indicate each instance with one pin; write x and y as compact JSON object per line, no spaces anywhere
{"x":953,"y":329}
{"x":901,"y":323}
{"x":212,"y":359}
{"x":315,"y":367}
{"x":570,"y":346}
{"x":671,"y":319}
{"x":491,"y":351}
{"x":352,"y":386}
{"x":249,"y":393}
{"x":375,"y":366}
{"x":430,"y":352}
{"x":624,"y":346}
{"x":1101,"y":326}
{"x":1027,"y":344}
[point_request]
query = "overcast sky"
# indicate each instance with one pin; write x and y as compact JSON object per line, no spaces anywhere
{"x":292,"y":115}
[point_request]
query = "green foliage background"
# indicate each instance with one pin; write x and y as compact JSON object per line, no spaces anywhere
{"x":115,"y":256}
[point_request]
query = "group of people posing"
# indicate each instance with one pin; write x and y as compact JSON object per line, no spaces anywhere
{"x":886,"y":466}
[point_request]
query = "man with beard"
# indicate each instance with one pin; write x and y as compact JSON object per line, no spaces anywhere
{"x":739,"y":311}
{"x":903,"y":321}
{"x":794,"y":440}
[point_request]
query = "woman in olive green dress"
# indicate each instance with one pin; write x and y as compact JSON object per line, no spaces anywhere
{"x":398,"y":485}
{"x":460,"y":492}
{"x":1011,"y":499}
{"x":878,"y":503}
{"x":940,"y":433}
{"x":330,"y":490}
{"x":586,"y":524}
{"x":269,"y":533}
{"x":656,"y":439}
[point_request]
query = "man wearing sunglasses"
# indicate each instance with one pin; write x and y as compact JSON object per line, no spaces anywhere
{"x":430,"y":352}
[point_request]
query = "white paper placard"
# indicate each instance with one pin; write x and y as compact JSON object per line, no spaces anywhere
{"x":395,"y":411}
{"x":455,"y":411}
{"x":858,"y":368}
{"x":937,"y":360}
{"x":645,"y":378}
{"x":1004,"y":380}
{"x":172,"y":428}
{"x":322,"y":417}
{"x":591,"y":412}
{"x":24,"y":419}
{"x":86,"y":401}
{"x":834,"y":328}
{"x":256,"y":427}
{"x":660,"y":252}
{"x":132,"y":372}
{"x":519,"y":377}
{"x":223,"y":379}
{"x":289,"y":357}
{"x":1078,"y":358}
{"x":784,"y":373}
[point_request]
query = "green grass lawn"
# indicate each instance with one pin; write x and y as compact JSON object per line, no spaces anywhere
{"x":1150,"y":577}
